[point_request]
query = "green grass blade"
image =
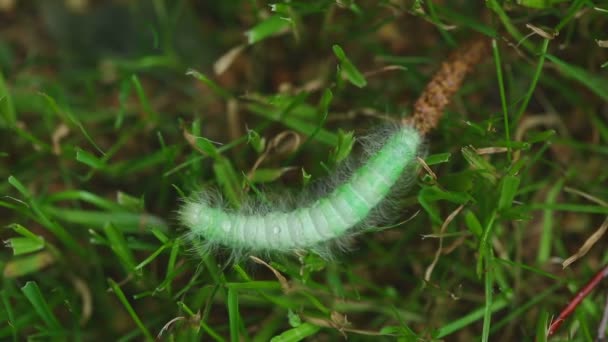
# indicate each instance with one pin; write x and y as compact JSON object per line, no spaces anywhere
{"x":233,"y":315}
{"x":89,"y":159}
{"x":503,"y":96}
{"x":271,"y":26}
{"x":296,"y":334}
{"x":118,"y":244}
{"x":596,"y":84}
{"x":470,"y":318}
{"x":229,"y":180}
{"x":489,"y":289}
{"x":84,"y":196}
{"x":125,"y":221}
{"x":496,"y":6}
{"x":61,"y":233}
{"x":211,"y":84}
{"x":541,"y":326}
{"x":534,"y":81}
{"x":508,"y":189}
{"x":125,"y":302}
{"x":143,"y":98}
{"x":34,"y":296}
{"x":547,"y":237}
{"x":8,"y":116}
{"x":10,"y":314}
{"x":348,"y":68}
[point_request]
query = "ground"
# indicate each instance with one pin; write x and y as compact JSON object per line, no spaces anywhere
{"x":112,"y":113}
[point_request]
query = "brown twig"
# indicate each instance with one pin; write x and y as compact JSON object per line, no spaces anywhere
{"x":578,"y":298}
{"x":429,"y":107}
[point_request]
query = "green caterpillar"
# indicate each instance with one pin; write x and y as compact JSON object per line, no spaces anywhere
{"x":310,"y":227}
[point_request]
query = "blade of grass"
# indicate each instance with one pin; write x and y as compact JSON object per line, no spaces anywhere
{"x":546,"y":239}
{"x":211,"y":84}
{"x":571,"y":14}
{"x":118,"y":244}
{"x":8,"y":116}
{"x":175,"y":248}
{"x":34,"y":296}
{"x":503,"y":96}
{"x":495,"y":6}
{"x":24,"y":245}
{"x":298,"y":333}
{"x":529,"y":268}
{"x":351,"y":72}
{"x":28,"y":264}
{"x":597,"y":84}
{"x":541,"y":326}
{"x":89,"y":159}
{"x":60,"y":232}
{"x":70,"y":119}
{"x":85,"y":196}
{"x":508,"y":189}
{"x":489,"y":289}
{"x":485,"y":243}
{"x":125,"y":302}
{"x":255,"y":285}
{"x":123,"y":97}
{"x":469,"y":318}
{"x":233,"y":315}
{"x":143,"y":99}
{"x":535,"y":78}
{"x":212,"y":332}
{"x":447,"y":37}
{"x":125,"y":221}
{"x":321,"y":135}
{"x":275,"y":24}
{"x":570,"y":207}
{"x":534,"y":302}
{"x":8,"y":308}
{"x":151,"y":258}
{"x":229,"y":180}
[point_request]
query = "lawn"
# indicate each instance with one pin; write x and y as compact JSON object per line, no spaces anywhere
{"x":115,"y":114}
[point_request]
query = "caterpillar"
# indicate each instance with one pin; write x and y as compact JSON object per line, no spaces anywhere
{"x":352,"y":205}
{"x":330,"y":218}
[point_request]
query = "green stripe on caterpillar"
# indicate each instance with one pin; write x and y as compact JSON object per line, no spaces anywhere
{"x":331,"y":218}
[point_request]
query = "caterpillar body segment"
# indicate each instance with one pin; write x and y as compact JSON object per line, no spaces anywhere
{"x":327,"y":219}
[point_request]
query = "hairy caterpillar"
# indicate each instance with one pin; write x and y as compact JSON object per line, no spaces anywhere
{"x":337,"y":215}
{"x":309,"y":227}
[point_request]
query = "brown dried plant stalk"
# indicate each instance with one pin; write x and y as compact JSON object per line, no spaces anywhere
{"x":429,"y":107}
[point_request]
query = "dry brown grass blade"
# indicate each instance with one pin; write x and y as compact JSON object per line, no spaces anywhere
{"x":446,"y":223}
{"x":590,"y":242}
{"x":282,"y":280}
{"x":59,"y":133}
{"x":594,"y":238}
{"x":283,"y":144}
{"x":87,"y":299}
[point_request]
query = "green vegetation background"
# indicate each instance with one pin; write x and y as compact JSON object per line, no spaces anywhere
{"x":111,"y":112}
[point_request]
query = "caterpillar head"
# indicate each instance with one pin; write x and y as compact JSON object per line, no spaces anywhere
{"x":198,"y":217}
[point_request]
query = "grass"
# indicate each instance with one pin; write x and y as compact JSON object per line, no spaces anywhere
{"x":112,"y":113}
